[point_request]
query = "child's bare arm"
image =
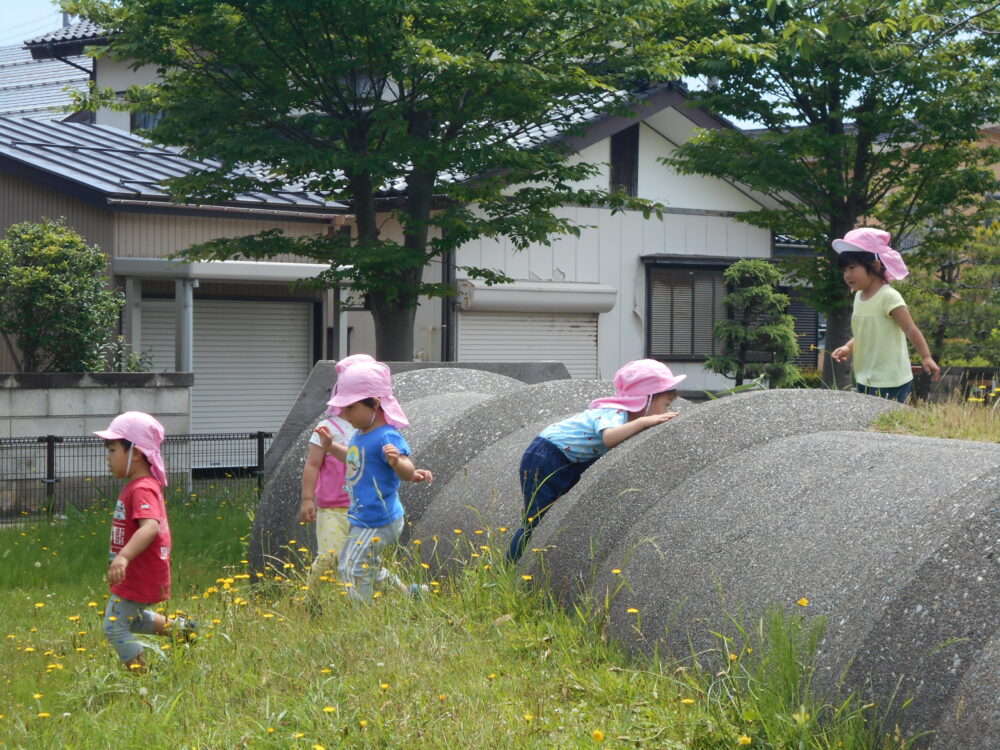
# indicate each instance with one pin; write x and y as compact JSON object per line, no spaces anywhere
{"x":404,"y":467}
{"x":905,"y":321}
{"x":310,"y":472}
{"x":142,"y":538}
{"x":335,"y":449}
{"x":613,"y":436}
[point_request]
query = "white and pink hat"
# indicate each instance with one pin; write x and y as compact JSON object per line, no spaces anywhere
{"x":368,"y":380}
{"x":636,"y":383}
{"x":876,"y":242}
{"x":145,"y":433}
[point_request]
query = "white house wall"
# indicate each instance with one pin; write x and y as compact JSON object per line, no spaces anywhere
{"x":118,"y":76}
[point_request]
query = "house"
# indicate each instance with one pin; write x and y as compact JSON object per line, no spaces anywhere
{"x":627,"y":287}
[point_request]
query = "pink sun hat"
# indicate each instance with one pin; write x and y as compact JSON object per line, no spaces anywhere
{"x":342,"y":365}
{"x":145,"y":433}
{"x":368,"y":380}
{"x":636,"y":382}
{"x":875,"y":241}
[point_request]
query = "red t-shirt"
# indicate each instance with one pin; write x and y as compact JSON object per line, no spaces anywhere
{"x":147,"y":577}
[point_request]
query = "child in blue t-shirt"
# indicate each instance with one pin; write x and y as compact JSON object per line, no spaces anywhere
{"x":557,"y":458}
{"x":378,"y":460}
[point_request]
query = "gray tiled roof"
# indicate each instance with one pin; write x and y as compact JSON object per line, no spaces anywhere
{"x":36,"y":88}
{"x":76,"y":32}
{"x":115,"y":166}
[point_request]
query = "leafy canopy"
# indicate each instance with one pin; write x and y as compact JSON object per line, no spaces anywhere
{"x":441,"y":116}
{"x":872,"y":113}
{"x":56,"y":312}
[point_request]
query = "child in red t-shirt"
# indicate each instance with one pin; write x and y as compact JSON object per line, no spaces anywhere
{"x":139,"y":572}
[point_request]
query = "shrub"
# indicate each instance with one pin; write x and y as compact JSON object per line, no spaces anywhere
{"x":56,"y":312}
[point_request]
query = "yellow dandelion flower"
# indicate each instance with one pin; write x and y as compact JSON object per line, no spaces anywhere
{"x":36,"y":696}
{"x":687,"y":701}
{"x":732,"y":656}
{"x":616,"y":571}
{"x":526,"y":577}
{"x":457,"y":531}
{"x":325,"y":670}
{"x":744,"y":740}
{"x":491,"y":676}
{"x":632,"y":611}
{"x":479,"y":531}
{"x":442,"y":697}
{"x":803,"y":602}
{"x":598,"y":735}
{"x":529,"y":717}
{"x":384,"y":685}
{"x":425,"y":566}
{"x":328,"y":709}
{"x":39,"y":605}
{"x":302,"y":549}
{"x":74,"y":618}
{"x":29,"y":649}
{"x":299,"y":735}
{"x":363,"y":723}
{"x":417,"y":542}
{"x":376,"y":595}
{"x":318,"y":747}
{"x":376,"y":539}
{"x":44,"y":715}
{"x":270,"y":730}
{"x":291,"y":541}
{"x":503,"y":529}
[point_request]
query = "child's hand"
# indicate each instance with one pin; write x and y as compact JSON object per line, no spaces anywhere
{"x":325,"y":436}
{"x":931,"y":368}
{"x":116,"y":571}
{"x":307,"y":511}
{"x":841,"y":353}
{"x":391,"y":453}
{"x":422,"y":475}
{"x":654,"y":419}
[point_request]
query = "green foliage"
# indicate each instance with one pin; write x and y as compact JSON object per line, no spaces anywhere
{"x":759,"y":328}
{"x":55,"y":307}
{"x":872,"y":112}
{"x":406,"y":107}
{"x":954,"y":296}
{"x":486,"y":660}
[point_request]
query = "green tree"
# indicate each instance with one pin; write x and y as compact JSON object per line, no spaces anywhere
{"x":954,"y":296}
{"x":441,"y":113}
{"x":56,"y":312}
{"x":759,"y":338}
{"x":871,"y":112}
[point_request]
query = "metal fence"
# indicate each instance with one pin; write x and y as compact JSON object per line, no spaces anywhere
{"x":48,"y":475}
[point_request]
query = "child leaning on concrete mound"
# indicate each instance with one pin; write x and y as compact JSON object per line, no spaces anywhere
{"x":557,"y":458}
{"x":139,"y":571}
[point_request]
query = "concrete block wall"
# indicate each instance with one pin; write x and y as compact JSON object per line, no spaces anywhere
{"x":64,"y":404}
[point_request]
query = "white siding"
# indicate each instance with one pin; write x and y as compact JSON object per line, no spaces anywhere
{"x":530,"y":337}
{"x":250,"y":359}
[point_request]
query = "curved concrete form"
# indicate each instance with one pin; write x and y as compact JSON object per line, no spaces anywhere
{"x":634,"y":476}
{"x":891,"y":538}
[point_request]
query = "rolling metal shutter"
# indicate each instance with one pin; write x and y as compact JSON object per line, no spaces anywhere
{"x":250,"y":359}
{"x":570,"y":338}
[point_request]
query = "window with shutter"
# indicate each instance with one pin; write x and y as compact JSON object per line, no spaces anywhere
{"x":683,"y":306}
{"x":625,"y":160}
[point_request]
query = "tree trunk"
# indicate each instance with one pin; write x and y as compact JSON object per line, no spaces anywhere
{"x":393,"y":330}
{"x":838,"y":332}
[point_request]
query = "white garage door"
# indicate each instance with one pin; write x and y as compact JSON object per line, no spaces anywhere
{"x":250,"y":359}
{"x":570,"y":338}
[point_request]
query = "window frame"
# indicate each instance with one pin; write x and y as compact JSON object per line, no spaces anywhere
{"x":713,"y":266}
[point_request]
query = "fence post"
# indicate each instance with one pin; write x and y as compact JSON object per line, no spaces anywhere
{"x":260,"y":461}
{"x":50,"y":473}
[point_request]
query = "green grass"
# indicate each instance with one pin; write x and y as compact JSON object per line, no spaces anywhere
{"x":961,"y":420}
{"x":486,"y":660}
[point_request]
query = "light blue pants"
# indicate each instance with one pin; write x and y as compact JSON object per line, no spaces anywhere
{"x":360,"y":563}
{"x":122,"y":620}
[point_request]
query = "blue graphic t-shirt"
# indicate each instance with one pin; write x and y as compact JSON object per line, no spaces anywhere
{"x":371,"y":482}
{"x":579,"y":437}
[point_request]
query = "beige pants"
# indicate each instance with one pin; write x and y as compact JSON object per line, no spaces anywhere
{"x":332,"y":528}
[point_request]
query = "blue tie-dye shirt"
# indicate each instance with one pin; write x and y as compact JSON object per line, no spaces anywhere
{"x":579,"y":437}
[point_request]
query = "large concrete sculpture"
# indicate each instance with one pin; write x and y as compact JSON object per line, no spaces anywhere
{"x":737,"y":506}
